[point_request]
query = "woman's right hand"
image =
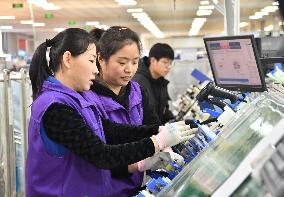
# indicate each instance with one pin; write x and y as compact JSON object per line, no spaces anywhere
{"x":174,"y":133}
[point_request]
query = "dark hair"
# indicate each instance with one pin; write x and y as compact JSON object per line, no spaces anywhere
{"x":113,"y":39}
{"x":74,"y":40}
{"x":161,"y":50}
{"x":97,"y":33}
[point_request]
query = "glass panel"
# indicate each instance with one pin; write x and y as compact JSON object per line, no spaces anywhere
{"x":215,"y":164}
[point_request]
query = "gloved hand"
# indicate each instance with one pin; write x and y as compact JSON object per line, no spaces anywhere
{"x":174,"y":156}
{"x":174,"y":133}
{"x":157,"y":161}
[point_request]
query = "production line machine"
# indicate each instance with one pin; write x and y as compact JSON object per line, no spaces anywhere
{"x":239,"y":147}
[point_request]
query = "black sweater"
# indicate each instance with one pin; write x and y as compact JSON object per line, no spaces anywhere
{"x":125,"y":144}
{"x":156,"y":89}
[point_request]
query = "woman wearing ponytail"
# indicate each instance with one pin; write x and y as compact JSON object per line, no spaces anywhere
{"x":71,"y":150}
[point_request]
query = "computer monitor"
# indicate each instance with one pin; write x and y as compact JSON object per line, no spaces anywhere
{"x":235,"y":63}
{"x":272,"y":46}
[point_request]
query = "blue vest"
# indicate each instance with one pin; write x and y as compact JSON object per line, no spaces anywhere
{"x":111,"y":110}
{"x":53,"y":171}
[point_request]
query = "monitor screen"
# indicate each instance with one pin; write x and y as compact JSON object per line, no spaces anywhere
{"x":235,"y":64}
{"x":272,"y":46}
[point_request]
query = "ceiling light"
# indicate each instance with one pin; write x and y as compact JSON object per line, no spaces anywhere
{"x":38,"y":24}
{"x":243,"y":24}
{"x":275,"y":3}
{"x":270,"y":8}
{"x":193,"y":31}
{"x":36,"y":1}
{"x":258,"y":14}
{"x":264,"y":12}
{"x":199,"y":20}
{"x":203,"y":12}
{"x":131,"y":10}
{"x":59,"y":29}
{"x":126,"y":2}
{"x":215,"y":1}
{"x":51,"y":6}
{"x":27,"y":22}
{"x":146,"y":21}
{"x":268,"y":28}
{"x":6,"y":27}
{"x":206,"y":7}
{"x":92,"y":23}
{"x":140,"y":15}
{"x":253,"y":17}
{"x":204,"y":2}
{"x":7,"y":17}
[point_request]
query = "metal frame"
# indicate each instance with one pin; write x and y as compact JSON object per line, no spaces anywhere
{"x":8,"y":140}
{"x":24,"y":121}
{"x":231,"y":13}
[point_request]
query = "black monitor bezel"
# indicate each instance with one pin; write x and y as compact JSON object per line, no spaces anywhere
{"x":239,"y":87}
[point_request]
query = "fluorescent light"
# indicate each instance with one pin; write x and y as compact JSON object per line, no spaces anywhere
{"x":131,"y":10}
{"x":253,"y":17}
{"x":7,"y":17}
{"x":6,"y":27}
{"x":37,"y":1}
{"x":268,"y":28}
{"x":59,"y":29}
{"x":275,"y":3}
{"x":38,"y":24}
{"x":204,"y":2}
{"x":146,"y":21}
{"x":258,"y":14}
{"x":264,"y":12}
{"x":92,"y":23}
{"x":44,"y":4}
{"x":27,"y":22}
{"x":51,"y":6}
{"x":126,"y":2}
{"x":270,"y":8}
{"x":206,"y":7}
{"x":243,"y":24}
{"x":193,"y":32}
{"x":203,"y":12}
{"x":196,"y":25}
{"x":140,"y":15}
{"x":199,"y":20}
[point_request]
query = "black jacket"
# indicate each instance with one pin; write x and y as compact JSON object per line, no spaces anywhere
{"x":156,"y":90}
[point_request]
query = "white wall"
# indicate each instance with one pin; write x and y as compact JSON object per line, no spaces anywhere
{"x":176,"y":43}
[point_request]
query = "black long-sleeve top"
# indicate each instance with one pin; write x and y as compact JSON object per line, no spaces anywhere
{"x":125,"y":144}
{"x":150,"y":115}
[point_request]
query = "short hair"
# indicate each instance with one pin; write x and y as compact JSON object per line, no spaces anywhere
{"x":161,"y":50}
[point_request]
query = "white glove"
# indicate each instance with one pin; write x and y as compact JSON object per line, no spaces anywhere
{"x":174,"y":156}
{"x":174,"y":133}
{"x":157,"y":161}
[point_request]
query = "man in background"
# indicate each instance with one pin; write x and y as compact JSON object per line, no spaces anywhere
{"x":150,"y":76}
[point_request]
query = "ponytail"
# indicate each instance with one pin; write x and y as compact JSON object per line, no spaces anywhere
{"x":96,"y":34}
{"x":48,"y":56}
{"x":39,"y":70}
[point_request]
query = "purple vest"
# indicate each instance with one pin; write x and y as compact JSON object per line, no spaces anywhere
{"x":110,"y":109}
{"x":50,"y":175}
